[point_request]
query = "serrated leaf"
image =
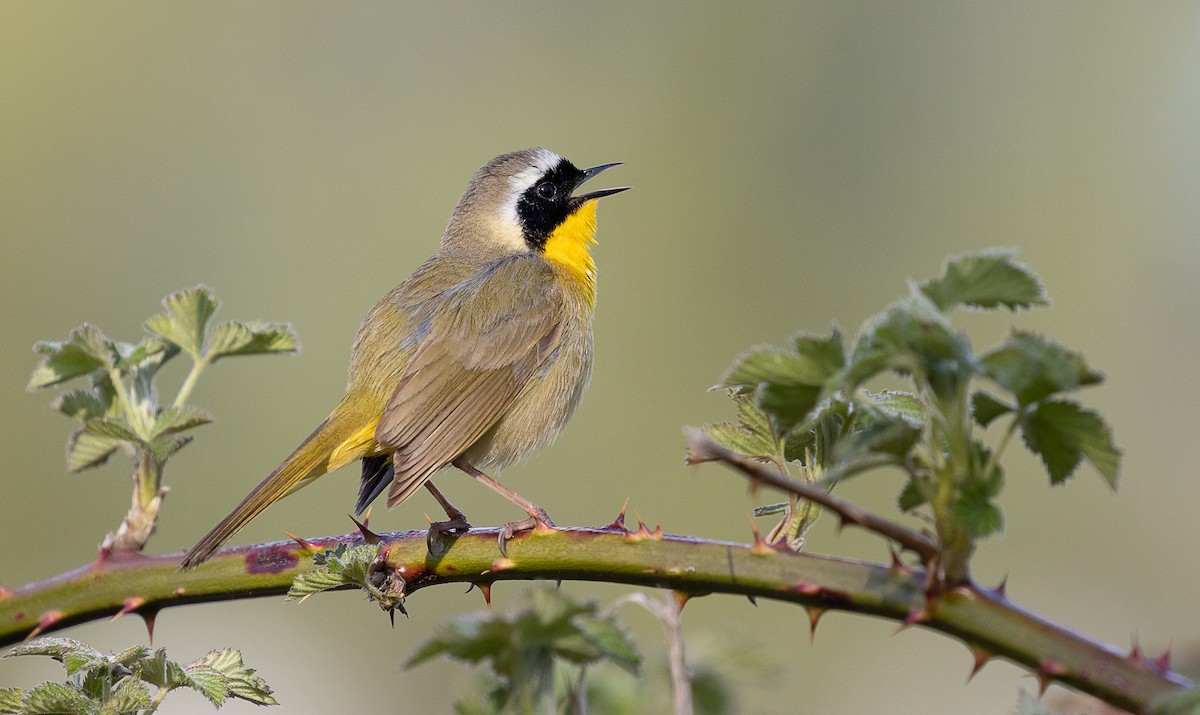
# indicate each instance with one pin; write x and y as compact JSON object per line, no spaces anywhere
{"x":54,"y":647}
{"x":787,"y":385}
{"x":613,"y":643}
{"x":162,"y":672}
{"x":96,"y":683}
{"x":1062,"y":433}
{"x":911,"y":496}
{"x":178,"y":419}
{"x":251,"y":338}
{"x":85,"y":451}
{"x":58,"y":699}
{"x":85,"y":350}
{"x":752,"y":434}
{"x":985,"y":280}
{"x":903,"y":405}
{"x":132,"y":356}
{"x":132,"y":656}
{"x":165,"y":446}
{"x":129,"y":696}
{"x":894,"y":437}
{"x":1033,"y":367}
{"x":977,"y":513}
{"x":81,"y":404}
{"x":186,"y":320}
{"x":209,"y":683}
{"x":985,"y":408}
{"x":221,"y":674}
{"x":337,"y":567}
{"x":826,"y":355}
{"x":117,"y":428}
{"x":10,"y":700}
{"x":467,"y":638}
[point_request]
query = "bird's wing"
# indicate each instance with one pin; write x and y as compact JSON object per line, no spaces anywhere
{"x":487,"y":339}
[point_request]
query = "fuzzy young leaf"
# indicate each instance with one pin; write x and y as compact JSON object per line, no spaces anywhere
{"x":173,"y":420}
{"x":985,"y":280}
{"x":343,"y":566}
{"x":752,"y":434}
{"x":11,"y":699}
{"x":186,"y":319}
{"x":251,"y":338}
{"x":85,"y":350}
{"x":221,"y":674}
{"x":133,"y":356}
{"x":613,"y":643}
{"x":986,"y":408}
{"x":129,"y":696}
{"x":84,"y":404}
{"x":1033,"y":367}
{"x":977,"y":513}
{"x":903,"y":405}
{"x":894,"y":437}
{"x":85,"y":450}
{"x":912,"y":496}
{"x":117,"y":428}
{"x":161,"y":672}
{"x":58,"y":699}
{"x":57,"y":648}
{"x":788,"y":385}
{"x":1062,"y":433}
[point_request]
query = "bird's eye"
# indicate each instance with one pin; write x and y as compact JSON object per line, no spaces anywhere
{"x":546,"y":190}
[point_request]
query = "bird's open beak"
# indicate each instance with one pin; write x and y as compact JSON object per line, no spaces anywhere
{"x":589,"y":173}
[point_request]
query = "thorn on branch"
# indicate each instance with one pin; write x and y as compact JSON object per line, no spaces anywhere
{"x":618,"y":524}
{"x":369,"y":537}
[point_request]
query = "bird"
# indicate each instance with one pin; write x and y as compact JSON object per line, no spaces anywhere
{"x":476,"y":361}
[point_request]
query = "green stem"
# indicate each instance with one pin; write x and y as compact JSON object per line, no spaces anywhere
{"x":996,"y":454}
{"x":189,"y":383}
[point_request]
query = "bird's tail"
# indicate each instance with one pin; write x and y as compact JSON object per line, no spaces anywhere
{"x":342,"y":438}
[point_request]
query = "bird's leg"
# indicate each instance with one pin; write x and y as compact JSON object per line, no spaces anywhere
{"x":537,"y":515}
{"x":456,"y":521}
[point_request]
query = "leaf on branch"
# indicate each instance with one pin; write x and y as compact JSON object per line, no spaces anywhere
{"x":913,"y":494}
{"x":173,"y":420}
{"x":986,"y":408}
{"x":162,"y":672}
{"x":186,"y":320}
{"x":129,"y":696}
{"x":1062,"y":433}
{"x":148,"y":350}
{"x":117,"y":428}
{"x":752,"y":433}
{"x":985,"y":280}
{"x":977,"y":513}
{"x":788,"y":384}
{"x":85,"y":450}
{"x":1033,"y":367}
{"x":251,"y":338}
{"x":85,"y":350}
{"x":57,"y":648}
{"x":83,"y":404}
{"x":55,"y":698}
{"x":11,"y":700}
{"x":343,"y":566}
{"x":221,"y":674}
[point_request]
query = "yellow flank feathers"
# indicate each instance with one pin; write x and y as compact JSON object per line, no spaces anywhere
{"x":569,"y":247}
{"x":356,"y":446}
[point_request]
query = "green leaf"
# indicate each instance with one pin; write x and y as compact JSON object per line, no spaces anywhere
{"x":11,"y":699}
{"x":977,"y":513}
{"x":826,"y":355}
{"x":904,"y":405}
{"x":912,"y":496}
{"x":85,"y":350}
{"x":132,"y":356}
{"x":57,"y":648}
{"x":85,"y":450}
{"x":613,"y":643}
{"x":129,"y":696}
{"x":1062,"y":433}
{"x":1033,"y":367}
{"x":343,"y":566}
{"x":251,"y":338}
{"x":752,"y":434}
{"x":132,"y":657}
{"x":161,"y":672}
{"x":58,"y":699}
{"x":894,"y":437}
{"x":985,"y":280}
{"x":788,"y":384}
{"x":164,"y":447}
{"x":117,"y":428}
{"x":173,"y":420}
{"x":1183,"y":702}
{"x":186,"y":319}
{"x":221,"y":674}
{"x":986,"y":408}
{"x":82,"y":404}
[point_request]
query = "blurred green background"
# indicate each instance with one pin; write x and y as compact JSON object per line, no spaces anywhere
{"x":794,"y":164}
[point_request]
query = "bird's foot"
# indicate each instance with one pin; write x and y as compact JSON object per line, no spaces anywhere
{"x":536,"y":520}
{"x":440,"y":531}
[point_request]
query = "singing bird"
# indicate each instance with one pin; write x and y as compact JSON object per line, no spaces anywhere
{"x":477,"y":360}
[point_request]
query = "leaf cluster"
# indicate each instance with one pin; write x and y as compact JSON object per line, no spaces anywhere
{"x":808,"y":404}
{"x":522,"y":650}
{"x":134,"y":681}
{"x":119,"y":407}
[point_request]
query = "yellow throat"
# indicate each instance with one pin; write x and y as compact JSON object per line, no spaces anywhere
{"x":569,"y":247}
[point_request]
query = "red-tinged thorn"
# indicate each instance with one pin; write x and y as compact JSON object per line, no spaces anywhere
{"x":5,"y":592}
{"x":305,"y":544}
{"x":981,"y":656}
{"x":367,"y":516}
{"x":760,"y":547}
{"x":148,"y":616}
{"x":814,"y":617}
{"x":47,"y":619}
{"x":681,"y":599}
{"x":618,"y":524}
{"x":755,"y":485}
{"x":914,"y":617}
{"x":1001,"y":589}
{"x":752,"y":599}
{"x":1047,"y":670}
{"x":369,"y":537}
{"x":485,"y":587}
{"x":501,"y":564}
{"x":131,"y":604}
{"x":1163,"y":662}
{"x":1135,"y":653}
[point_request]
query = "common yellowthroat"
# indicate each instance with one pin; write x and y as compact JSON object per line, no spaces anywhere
{"x":477,"y":360}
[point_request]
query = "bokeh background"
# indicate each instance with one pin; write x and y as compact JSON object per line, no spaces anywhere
{"x":794,"y":164}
